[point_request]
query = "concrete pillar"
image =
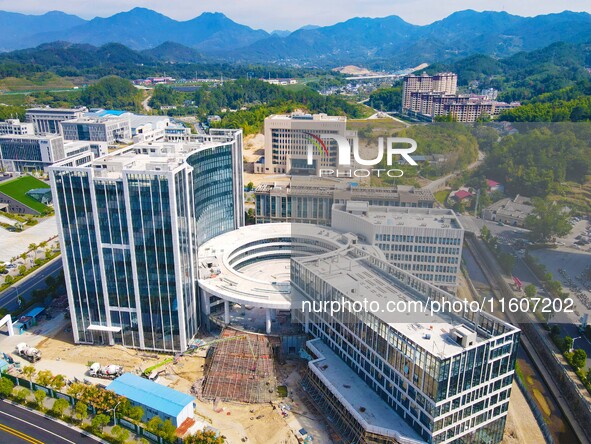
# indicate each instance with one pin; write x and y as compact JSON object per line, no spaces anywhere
{"x":226,"y":312}
{"x":268,"y":321}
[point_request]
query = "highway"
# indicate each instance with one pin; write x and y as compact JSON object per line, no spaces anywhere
{"x":18,"y":425}
{"x":24,"y":287}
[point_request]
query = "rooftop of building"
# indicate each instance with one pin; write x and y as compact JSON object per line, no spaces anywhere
{"x":516,"y":207}
{"x":357,"y":397}
{"x":352,"y":272}
{"x":30,"y":136}
{"x":147,"y":156}
{"x":401,"y":216}
{"x":305,"y":116}
{"x":95,"y":119}
{"x":57,"y":110}
{"x":344,"y":189}
{"x":156,"y":396}
{"x":223,"y":272}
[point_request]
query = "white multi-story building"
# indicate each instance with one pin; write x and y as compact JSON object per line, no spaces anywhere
{"x":16,"y":127}
{"x":287,"y":138}
{"x":30,"y":152}
{"x":426,"y":242}
{"x":100,"y":129}
{"x":130,"y":224}
{"x":47,"y":120}
{"x":396,"y":376}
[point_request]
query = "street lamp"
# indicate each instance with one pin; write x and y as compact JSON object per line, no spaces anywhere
{"x":573,"y":346}
{"x":114,"y":409}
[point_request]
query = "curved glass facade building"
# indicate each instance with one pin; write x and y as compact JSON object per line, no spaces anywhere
{"x":130,"y":224}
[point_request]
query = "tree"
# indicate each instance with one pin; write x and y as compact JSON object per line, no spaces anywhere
{"x":579,"y":358}
{"x":507,"y":262}
{"x":120,"y":434}
{"x":59,"y":406}
{"x":58,"y":382}
{"x":40,"y":396}
{"x":44,"y":377}
{"x":530,"y":290}
{"x":154,"y":424}
{"x":76,"y":389}
{"x":81,"y":411}
{"x":29,"y":371}
{"x":203,"y":437}
{"x":8,"y":280}
{"x":136,"y":413}
{"x":20,"y":394}
{"x":250,"y":186}
{"x":33,"y":248}
{"x":567,"y":344}
{"x":6,"y":386}
{"x":98,"y":422}
{"x":588,"y":376}
{"x":485,"y":233}
{"x":547,"y":220}
{"x":22,"y":269}
{"x":168,"y":430}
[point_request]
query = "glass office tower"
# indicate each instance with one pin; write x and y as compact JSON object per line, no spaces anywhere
{"x":130,"y":224}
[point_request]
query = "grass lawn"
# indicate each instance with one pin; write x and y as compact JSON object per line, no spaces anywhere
{"x":16,"y":188}
{"x":441,"y":196}
{"x":378,"y":126}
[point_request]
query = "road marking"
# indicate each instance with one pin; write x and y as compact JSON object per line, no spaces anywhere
{"x":19,"y":434}
{"x":36,"y":426}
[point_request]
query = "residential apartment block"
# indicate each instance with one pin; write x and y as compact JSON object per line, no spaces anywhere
{"x":426,"y":97}
{"x":426,"y":242}
{"x":443,"y":83}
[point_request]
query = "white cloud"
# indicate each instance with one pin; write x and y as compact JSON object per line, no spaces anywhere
{"x":275,"y":14}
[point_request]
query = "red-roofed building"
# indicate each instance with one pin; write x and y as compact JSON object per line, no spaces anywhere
{"x":493,"y":185}
{"x":462,"y":194}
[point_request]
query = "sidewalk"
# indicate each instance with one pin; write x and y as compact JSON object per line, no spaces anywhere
{"x":13,"y":244}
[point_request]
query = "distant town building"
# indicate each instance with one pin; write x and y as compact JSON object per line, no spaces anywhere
{"x":47,"y":120}
{"x":427,"y":97}
{"x":426,"y":242}
{"x":509,"y":211}
{"x":30,"y":152}
{"x":281,"y":81}
{"x":287,"y":138}
{"x":310,"y":203}
{"x":494,"y":186}
{"x":461,"y":194}
{"x":16,"y":127}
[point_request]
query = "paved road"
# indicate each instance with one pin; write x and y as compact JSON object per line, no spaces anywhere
{"x":18,"y":425}
{"x":25,"y":287}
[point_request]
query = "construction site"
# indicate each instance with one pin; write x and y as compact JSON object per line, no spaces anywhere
{"x":241,"y":368}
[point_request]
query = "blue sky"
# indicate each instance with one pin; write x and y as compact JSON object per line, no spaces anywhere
{"x":291,"y":14}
